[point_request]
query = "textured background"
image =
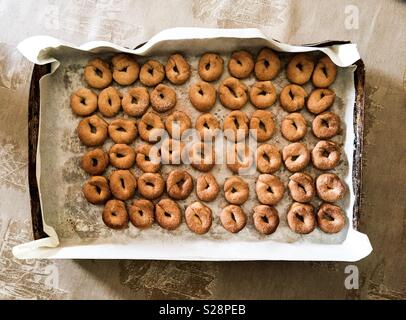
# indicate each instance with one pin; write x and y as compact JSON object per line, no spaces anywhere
{"x":377,"y":29}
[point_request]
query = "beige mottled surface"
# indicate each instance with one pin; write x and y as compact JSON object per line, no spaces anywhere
{"x":383,"y":48}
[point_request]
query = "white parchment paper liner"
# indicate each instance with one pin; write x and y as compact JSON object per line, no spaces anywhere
{"x":41,"y":50}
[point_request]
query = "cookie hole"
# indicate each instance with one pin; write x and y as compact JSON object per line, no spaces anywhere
{"x":234,"y":190}
{"x":180,"y":183}
{"x":325,"y":153}
{"x":266,"y":157}
{"x":324,"y":123}
{"x":167,"y":214}
{"x":121,"y":129}
{"x":93,"y":129}
{"x":207,"y":186}
{"x":134,"y":100}
{"x":266,"y":63}
{"x":206,"y":125}
{"x":161,"y":95}
{"x":301,"y":187}
{"x":99,"y":73}
{"x":265,"y":219}
{"x":294,"y":125}
{"x":200,"y":92}
{"x":198,"y":218}
{"x":299,"y":217}
{"x":120,"y":155}
{"x":114,"y":214}
{"x":294,"y":157}
{"x":124,"y":69}
{"x":122,"y":183}
{"x":324,"y":70}
{"x":239,"y":62}
{"x":291,"y":95}
{"x":322,"y":95}
{"x":299,"y":66}
{"x":207,"y":66}
{"x":82,"y":100}
{"x":263,"y":93}
{"x":236,"y":123}
{"x":147,"y":158}
{"x":327,"y":216}
{"x":233,"y":217}
{"x":149,"y":184}
{"x":232,"y":91}
{"x":149,"y":127}
{"x":262,"y":125}
{"x":94,"y":162}
{"x":98,"y":189}
{"x":109,"y":101}
{"x":269,"y":189}
{"x":151,"y":71}
{"x":175,"y":69}
{"x":141,"y":213}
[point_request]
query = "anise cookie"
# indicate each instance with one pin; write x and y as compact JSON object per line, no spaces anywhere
{"x":207,"y":125}
{"x":198,"y":217}
{"x":236,"y":190}
{"x":96,"y":190}
{"x":330,"y":188}
{"x":148,"y":157}
{"x":241,"y":64}
{"x":94,"y":161}
{"x":115,"y":214}
{"x":233,"y":218}
{"x":163,"y":98}
{"x":233,"y":93}
{"x":123,"y":130}
{"x":207,"y":187}
{"x":239,"y":158}
{"x":125,"y":69}
{"x":266,"y":219}
{"x":141,"y":212}
{"x":202,"y":95}
{"x":171,"y":151}
{"x":324,"y":73}
{"x":122,"y":184}
{"x":177,"y":69}
{"x":330,"y":218}
{"x":301,"y":187}
{"x":109,"y":102}
{"x":268,"y":158}
{"x":292,"y":97}
{"x":301,"y":218}
{"x":83,"y":102}
{"x":151,"y":127}
{"x":151,"y":185}
{"x":122,"y":156}
{"x":326,"y":155}
{"x":98,"y":74}
{"x":179,"y":184}
{"x":263,"y":94}
{"x":269,"y":189}
{"x":263,"y":124}
{"x":296,"y":156}
{"x":92,"y":131}
{"x":267,"y":65}
{"x":177,"y":123}
{"x":168,"y":214}
{"x":326,"y":125}
{"x":136,"y":101}
{"x":235,"y":126}
{"x":320,"y":100}
{"x":152,"y":73}
{"x":300,"y":69}
{"x":210,"y":67}
{"x":202,"y":156}
{"x":293,"y":127}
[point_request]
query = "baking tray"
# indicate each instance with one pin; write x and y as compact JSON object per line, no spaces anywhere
{"x":354,"y":247}
{"x":33,"y":126}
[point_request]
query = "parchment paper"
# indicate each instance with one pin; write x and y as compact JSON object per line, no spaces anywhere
{"x":75,"y":226}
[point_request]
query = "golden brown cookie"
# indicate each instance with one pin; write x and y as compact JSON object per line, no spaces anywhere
{"x":83,"y":102}
{"x":177,"y":69}
{"x":151,"y":185}
{"x":292,"y":98}
{"x":125,"y":69}
{"x":122,"y":184}
{"x":293,"y":127}
{"x":148,"y":158}
{"x":324,"y":73}
{"x":177,"y":123}
{"x":301,"y":218}
{"x":236,"y":190}
{"x":123,"y":130}
{"x":94,"y":161}
{"x":235,"y":126}
{"x":115,"y":214}
{"x":241,"y":64}
{"x":263,"y":94}
{"x":109,"y":102}
{"x":296,"y":156}
{"x":320,"y":100}
{"x":326,"y":155}
{"x":202,"y":95}
{"x":141,"y":212}
{"x":96,"y":190}
{"x":198,"y":217}
{"x":98,"y":74}
{"x":122,"y":156}
{"x":266,"y":219}
{"x":267,"y":65}
{"x":300,"y":69}
{"x":208,"y":126}
{"x":163,"y":98}
{"x":152,"y":73}
{"x":210,"y":67}
{"x":233,"y":218}
{"x":233,"y":94}
{"x":151,"y":128}
{"x":136,"y":101}
{"x":263,"y":124}
{"x":330,"y":218}
{"x":269,"y":189}
{"x":207,"y":187}
{"x":92,"y":131}
{"x":202,"y":156}
{"x":326,"y":125}
{"x":330,"y":188}
{"x":301,"y":187}
{"x":268,"y":158}
{"x":168,"y":214}
{"x":179,"y":184}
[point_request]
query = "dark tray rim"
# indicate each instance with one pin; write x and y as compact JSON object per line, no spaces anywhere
{"x":33,"y":126}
